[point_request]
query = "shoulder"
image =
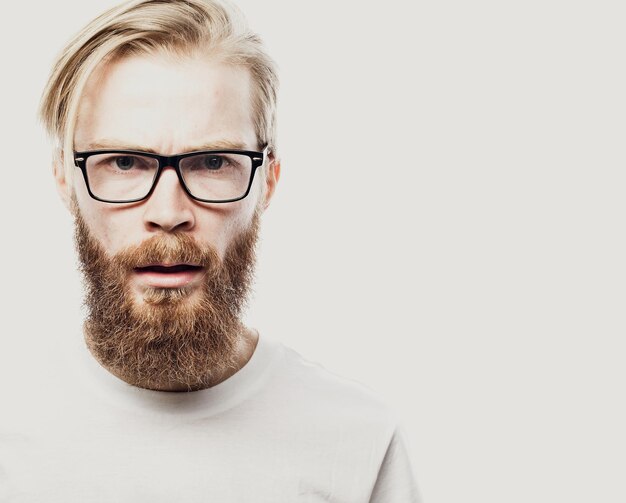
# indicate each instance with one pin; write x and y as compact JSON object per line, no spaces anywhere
{"x":332,"y":399}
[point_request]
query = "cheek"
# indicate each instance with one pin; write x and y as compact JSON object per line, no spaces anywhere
{"x":220,"y":225}
{"x":106,"y":223}
{"x":117,"y":226}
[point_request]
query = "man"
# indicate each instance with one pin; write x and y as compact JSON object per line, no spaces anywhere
{"x":164,"y":117}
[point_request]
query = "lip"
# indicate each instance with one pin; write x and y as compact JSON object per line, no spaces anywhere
{"x":168,"y":275}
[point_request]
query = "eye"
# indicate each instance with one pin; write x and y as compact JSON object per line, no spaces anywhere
{"x":124,"y":162}
{"x":213,"y":162}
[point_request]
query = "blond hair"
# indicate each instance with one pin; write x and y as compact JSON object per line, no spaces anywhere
{"x":179,"y":27}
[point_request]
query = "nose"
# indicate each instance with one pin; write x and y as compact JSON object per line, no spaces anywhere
{"x":169,"y":208}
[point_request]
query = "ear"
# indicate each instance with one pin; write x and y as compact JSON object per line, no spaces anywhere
{"x":63,"y":186}
{"x":271,"y":179}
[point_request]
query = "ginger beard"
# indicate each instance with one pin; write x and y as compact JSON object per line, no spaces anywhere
{"x":176,"y":336}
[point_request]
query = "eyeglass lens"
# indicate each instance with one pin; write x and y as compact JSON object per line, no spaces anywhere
{"x":212,"y":176}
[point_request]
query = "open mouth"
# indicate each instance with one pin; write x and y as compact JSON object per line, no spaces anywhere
{"x":169,"y":269}
{"x":168,"y":276}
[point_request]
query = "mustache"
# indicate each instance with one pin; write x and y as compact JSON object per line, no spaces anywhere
{"x":168,"y":249}
{"x":174,"y":248}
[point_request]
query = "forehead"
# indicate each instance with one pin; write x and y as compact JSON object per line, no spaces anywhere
{"x":165,"y":104}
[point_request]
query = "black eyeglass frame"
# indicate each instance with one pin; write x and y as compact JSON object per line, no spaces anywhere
{"x":173,"y":161}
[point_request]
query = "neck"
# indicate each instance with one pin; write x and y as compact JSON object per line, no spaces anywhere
{"x":243,"y":349}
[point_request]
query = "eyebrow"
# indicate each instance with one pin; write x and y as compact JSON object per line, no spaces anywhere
{"x":112,"y":144}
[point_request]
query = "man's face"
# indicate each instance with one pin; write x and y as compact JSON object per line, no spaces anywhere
{"x":155,"y":103}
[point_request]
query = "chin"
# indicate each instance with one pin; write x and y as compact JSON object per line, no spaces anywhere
{"x":152,"y":296}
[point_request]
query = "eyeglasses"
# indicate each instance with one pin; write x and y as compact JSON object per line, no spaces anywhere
{"x":128,"y":176}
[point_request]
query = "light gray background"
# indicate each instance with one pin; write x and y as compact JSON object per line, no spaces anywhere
{"x":448,"y":228}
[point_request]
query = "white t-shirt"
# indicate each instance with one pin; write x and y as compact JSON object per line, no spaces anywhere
{"x":282,"y":429}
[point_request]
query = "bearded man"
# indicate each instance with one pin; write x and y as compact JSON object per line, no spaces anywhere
{"x":164,"y":118}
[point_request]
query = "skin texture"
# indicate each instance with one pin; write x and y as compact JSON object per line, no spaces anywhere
{"x":167,"y":105}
